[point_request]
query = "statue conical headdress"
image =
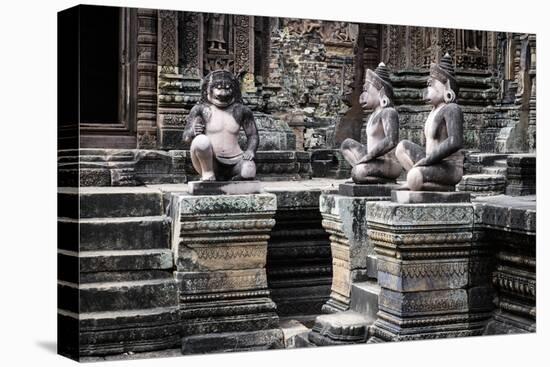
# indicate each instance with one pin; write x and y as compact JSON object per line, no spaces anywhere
{"x":380,"y":78}
{"x":444,"y":71}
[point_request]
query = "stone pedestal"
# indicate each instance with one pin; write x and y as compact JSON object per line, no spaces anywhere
{"x":344,"y":217}
{"x":428,"y":271}
{"x":220,"y":245}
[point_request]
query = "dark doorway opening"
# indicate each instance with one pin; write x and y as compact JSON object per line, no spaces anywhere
{"x":108,"y":77}
{"x":99,"y":66}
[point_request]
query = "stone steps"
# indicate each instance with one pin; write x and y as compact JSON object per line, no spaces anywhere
{"x":122,"y":233}
{"x":115,"y":283}
{"x":125,"y":260}
{"x":120,"y":296}
{"x":108,"y":202}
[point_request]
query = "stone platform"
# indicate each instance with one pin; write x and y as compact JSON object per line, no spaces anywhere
{"x":425,"y":197}
{"x":433,"y":281}
{"x":349,"y":188}
{"x":220,"y":246}
{"x":224,"y":187}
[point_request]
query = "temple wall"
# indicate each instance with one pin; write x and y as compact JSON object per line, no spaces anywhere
{"x":311,"y":71}
{"x":308,"y":74}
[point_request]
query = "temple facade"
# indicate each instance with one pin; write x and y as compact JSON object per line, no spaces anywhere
{"x":128,"y":79}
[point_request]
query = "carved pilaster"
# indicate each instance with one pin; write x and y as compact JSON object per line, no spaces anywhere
{"x":533,"y":98}
{"x":170,"y":112}
{"x":244,"y":51}
{"x":191,"y":27}
{"x":147,"y":78}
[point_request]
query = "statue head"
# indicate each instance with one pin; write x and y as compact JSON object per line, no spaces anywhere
{"x":442,"y":86}
{"x":377,"y":90}
{"x":220,"y":88}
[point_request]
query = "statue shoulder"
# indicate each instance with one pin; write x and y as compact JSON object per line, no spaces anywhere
{"x":452,"y":110}
{"x":452,"y":107}
{"x":198,"y":109}
{"x":240,"y":111}
{"x":390,"y":113}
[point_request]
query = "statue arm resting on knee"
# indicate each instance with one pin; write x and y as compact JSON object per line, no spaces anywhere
{"x":251,"y":132}
{"x":195,"y":124}
{"x":453,"y":120}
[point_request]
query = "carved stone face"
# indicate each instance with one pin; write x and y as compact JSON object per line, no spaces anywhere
{"x":221,"y":93}
{"x":435,"y":92}
{"x":370,"y":98}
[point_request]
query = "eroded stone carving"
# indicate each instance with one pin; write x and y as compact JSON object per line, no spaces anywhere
{"x":216,"y":29}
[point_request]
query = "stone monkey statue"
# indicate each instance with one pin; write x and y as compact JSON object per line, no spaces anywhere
{"x":213,"y":127}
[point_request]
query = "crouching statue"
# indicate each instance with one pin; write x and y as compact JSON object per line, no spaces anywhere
{"x":213,"y":127}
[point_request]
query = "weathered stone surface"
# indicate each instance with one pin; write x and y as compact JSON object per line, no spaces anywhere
{"x":364,"y":298}
{"x":121,"y":233}
{"x":120,"y":332}
{"x":96,"y":167}
{"x":346,"y":327}
{"x":477,"y":163}
{"x":99,"y":202}
{"x":220,"y":243}
{"x":233,"y":342}
{"x":345,"y":219}
{"x":483,"y":184}
{"x":115,"y":281}
{"x":353,"y":189}
{"x":224,"y":187}
{"x":430,"y":270}
{"x":521,"y":175}
{"x":293,"y":331}
{"x":283,"y":165}
{"x":329,"y":163}
{"x":157,"y":166}
{"x":510,"y":226}
{"x":419,"y":197}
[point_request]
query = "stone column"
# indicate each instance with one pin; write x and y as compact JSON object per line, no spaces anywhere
{"x":147,"y":78}
{"x":220,"y":246}
{"x":427,"y":270}
{"x":353,"y":258}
